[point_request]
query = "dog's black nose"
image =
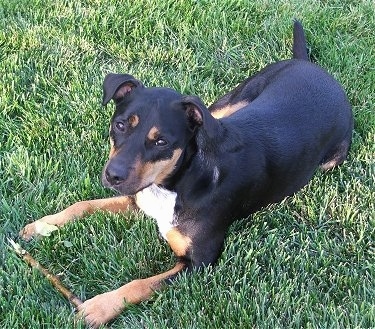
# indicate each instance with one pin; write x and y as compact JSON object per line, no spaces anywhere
{"x":113,"y":176}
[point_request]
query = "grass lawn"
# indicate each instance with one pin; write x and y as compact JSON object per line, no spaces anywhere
{"x":308,"y":262}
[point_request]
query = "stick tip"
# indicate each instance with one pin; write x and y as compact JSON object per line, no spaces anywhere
{"x":15,"y":246}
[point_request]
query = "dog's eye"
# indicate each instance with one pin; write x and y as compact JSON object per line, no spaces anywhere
{"x":161,"y":142}
{"x":120,"y":126}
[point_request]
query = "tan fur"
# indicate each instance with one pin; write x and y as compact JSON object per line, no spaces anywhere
{"x":178,"y":242}
{"x":156,"y":172}
{"x":112,"y":152}
{"x":78,"y":210}
{"x":229,"y":109}
{"x":133,"y":120}
{"x":153,"y":134}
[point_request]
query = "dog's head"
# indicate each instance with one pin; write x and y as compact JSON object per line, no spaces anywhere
{"x":150,"y":132}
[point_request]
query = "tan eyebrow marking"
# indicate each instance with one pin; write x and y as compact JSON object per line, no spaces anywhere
{"x":133,"y":120}
{"x":153,"y":134}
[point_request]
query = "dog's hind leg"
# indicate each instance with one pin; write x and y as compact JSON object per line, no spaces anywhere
{"x":337,"y":154}
{"x":79,"y":210}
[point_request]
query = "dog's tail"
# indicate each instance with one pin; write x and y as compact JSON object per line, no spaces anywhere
{"x":299,"y":42}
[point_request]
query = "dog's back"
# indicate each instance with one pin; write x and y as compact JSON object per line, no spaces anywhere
{"x":301,"y":120}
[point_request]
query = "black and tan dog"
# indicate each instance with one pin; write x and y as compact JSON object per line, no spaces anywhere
{"x":195,"y":170}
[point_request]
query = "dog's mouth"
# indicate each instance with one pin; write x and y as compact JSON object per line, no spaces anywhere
{"x":124,"y":189}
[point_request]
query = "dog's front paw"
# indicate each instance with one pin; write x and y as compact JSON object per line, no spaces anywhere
{"x":37,"y":228}
{"x":101,"y":309}
{"x":28,"y":232}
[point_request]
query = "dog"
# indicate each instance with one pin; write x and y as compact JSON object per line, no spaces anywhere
{"x":196,"y":169}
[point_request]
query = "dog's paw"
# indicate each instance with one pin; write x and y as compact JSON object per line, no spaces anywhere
{"x":28,"y":232}
{"x":37,"y":228}
{"x":101,"y":309}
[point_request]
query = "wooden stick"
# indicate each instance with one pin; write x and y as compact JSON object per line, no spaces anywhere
{"x":52,"y":278}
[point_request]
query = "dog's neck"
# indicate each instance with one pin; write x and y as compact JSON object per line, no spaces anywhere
{"x":195,"y":159}
{"x":182,"y":165}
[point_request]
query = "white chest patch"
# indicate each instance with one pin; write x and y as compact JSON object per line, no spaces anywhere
{"x":158,"y":203}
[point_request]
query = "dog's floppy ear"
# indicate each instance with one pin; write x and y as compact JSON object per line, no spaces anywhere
{"x":197,"y":114}
{"x":194,"y":109}
{"x":116,"y":86}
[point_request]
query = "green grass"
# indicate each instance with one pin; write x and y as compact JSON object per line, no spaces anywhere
{"x":307,"y":262}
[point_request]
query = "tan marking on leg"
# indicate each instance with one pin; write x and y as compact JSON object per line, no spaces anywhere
{"x":133,"y":120}
{"x":140,"y":290}
{"x":153,"y":134}
{"x":178,"y":242}
{"x":78,"y":210}
{"x":105,"y":307}
{"x":229,"y":109}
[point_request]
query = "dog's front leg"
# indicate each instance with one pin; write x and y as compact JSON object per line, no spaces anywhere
{"x":105,"y":307}
{"x":78,"y":210}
